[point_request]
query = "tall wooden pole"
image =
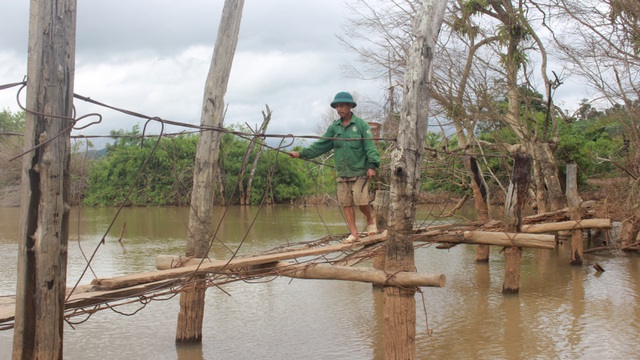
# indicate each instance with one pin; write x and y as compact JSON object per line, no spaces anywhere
{"x":44,"y":213}
{"x":574,"y":202}
{"x":191,"y":314}
{"x":406,"y":160}
{"x":513,"y":208}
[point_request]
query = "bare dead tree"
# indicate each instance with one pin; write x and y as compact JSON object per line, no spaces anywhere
{"x":601,"y":39}
{"x":191,"y":315}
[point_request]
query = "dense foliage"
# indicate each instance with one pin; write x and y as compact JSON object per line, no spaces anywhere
{"x":595,"y":140}
{"x":167,"y":177}
{"x":10,"y":145}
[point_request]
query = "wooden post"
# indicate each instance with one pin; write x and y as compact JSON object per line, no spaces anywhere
{"x":44,"y":214}
{"x":406,"y":159}
{"x":381,"y":211}
{"x":189,"y":329}
{"x":515,"y":202}
{"x":574,"y":201}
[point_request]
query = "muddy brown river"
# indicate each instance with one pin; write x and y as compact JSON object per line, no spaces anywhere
{"x":562,"y":311}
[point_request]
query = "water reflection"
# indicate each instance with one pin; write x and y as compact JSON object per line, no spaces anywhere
{"x":562,"y":311}
{"x":189,"y":351}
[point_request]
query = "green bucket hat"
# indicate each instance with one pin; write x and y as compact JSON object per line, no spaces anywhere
{"x":343,"y":97}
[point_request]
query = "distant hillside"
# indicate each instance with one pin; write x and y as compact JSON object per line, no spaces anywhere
{"x":96,"y":154}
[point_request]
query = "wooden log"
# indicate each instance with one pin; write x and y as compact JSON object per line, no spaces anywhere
{"x":567,"y":226}
{"x":522,"y":240}
{"x":560,"y":215}
{"x":361,"y":274}
{"x":166,"y":262}
{"x":219,"y":265}
{"x":442,"y":238}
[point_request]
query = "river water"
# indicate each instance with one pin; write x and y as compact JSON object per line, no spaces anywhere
{"x":562,"y":311}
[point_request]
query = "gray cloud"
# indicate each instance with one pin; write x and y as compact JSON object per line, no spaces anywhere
{"x":152,"y":56}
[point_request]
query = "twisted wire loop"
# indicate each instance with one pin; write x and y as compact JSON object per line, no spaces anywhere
{"x":67,"y":129}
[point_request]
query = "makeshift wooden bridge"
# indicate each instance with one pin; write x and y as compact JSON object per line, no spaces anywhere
{"x":319,"y":259}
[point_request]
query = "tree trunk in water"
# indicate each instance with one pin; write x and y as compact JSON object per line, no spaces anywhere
{"x":406,"y":159}
{"x":44,"y":214}
{"x":549,"y":192}
{"x":219,"y":186}
{"x":480,"y":196}
{"x":629,"y":231}
{"x":549,"y":173}
{"x":514,"y":206}
{"x":206,"y":164}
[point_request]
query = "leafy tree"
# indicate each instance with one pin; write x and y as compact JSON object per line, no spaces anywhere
{"x":10,"y":145}
{"x":165,"y":180}
{"x":168,"y":174}
{"x":11,"y":122}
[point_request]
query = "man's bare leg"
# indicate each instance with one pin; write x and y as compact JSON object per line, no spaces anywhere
{"x":366,"y":210}
{"x":350,"y":215}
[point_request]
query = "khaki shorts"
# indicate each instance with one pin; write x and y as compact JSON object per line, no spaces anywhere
{"x":350,"y":193}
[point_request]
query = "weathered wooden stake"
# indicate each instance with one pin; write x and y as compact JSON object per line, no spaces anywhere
{"x":574,"y":201}
{"x":406,"y":160}
{"x":381,"y":210}
{"x":515,"y":202}
{"x":44,"y":214}
{"x":189,"y":327}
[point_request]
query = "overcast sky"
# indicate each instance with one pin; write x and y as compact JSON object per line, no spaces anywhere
{"x":152,"y":57}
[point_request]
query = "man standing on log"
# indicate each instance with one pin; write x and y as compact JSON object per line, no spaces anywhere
{"x":356,"y":160}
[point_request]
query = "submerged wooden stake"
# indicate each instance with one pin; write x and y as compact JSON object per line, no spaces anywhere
{"x":573,"y":200}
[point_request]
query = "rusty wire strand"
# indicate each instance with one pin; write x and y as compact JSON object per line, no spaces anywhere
{"x":224,"y":275}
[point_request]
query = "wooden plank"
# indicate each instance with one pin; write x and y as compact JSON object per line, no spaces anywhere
{"x":539,"y":241}
{"x":567,"y":225}
{"x":218,"y":265}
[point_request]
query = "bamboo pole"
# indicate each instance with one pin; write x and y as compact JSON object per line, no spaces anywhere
{"x":44,"y":215}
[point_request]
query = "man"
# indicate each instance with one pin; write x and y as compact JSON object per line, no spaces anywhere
{"x":356,"y":161}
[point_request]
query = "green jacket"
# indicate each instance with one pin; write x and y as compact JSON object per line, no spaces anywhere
{"x":351,"y":158}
